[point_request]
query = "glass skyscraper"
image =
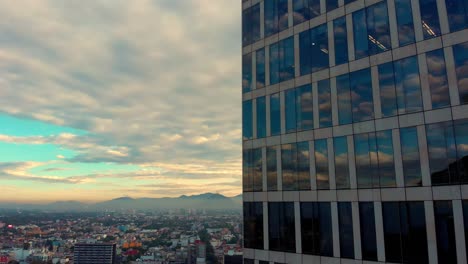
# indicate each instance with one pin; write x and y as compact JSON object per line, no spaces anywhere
{"x":355,"y":131}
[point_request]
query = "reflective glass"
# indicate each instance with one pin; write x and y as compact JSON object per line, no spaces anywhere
{"x":461,"y":138}
{"x":251,"y":25}
{"x":442,"y":153}
{"x":261,"y":117}
{"x":324,"y":103}
{"x":274,"y":63}
{"x":272,"y":173}
{"x":286,"y":58}
{"x":247,"y":171}
{"x":257,"y":169}
{"x":281,"y":227}
{"x":387,"y":89}
{"x":282,"y":14}
{"x":408,"y":85}
{"x":304,"y":111}
{"x":404,"y":22}
{"x":344,"y":100}
{"x":361,"y":95}
{"x":366,"y":160}
{"x":276,"y":16}
{"x":429,"y":18}
{"x":253,"y":225}
{"x":348,"y":1}
{"x":316,"y":229}
{"x":445,"y":232}
{"x":260,"y":61}
{"x":457,"y":11}
{"x":319,"y":48}
{"x":386,"y":165}
{"x":331,"y":4}
{"x":460,"y":53}
{"x":345,"y":222}
{"x":247,"y":120}
{"x":410,"y":156}
{"x":378,"y":28}
{"x":341,"y":40}
{"x":368,"y":238}
{"x":247,"y":73}
{"x":321,"y":164}
{"x":275,"y":114}
{"x":289,"y":166}
{"x":305,"y":52}
{"x":340,"y":145}
{"x":290,"y":110}
{"x":304,"y":10}
{"x":303,"y":167}
{"x":361,"y":48}
{"x":325,"y":229}
{"x":437,"y":77}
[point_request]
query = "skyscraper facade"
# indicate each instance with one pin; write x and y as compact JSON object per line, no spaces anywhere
{"x":355,"y":131}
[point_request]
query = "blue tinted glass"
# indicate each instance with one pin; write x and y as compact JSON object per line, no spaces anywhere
{"x":361,"y":89}
{"x":281,"y":227}
{"x":247,"y":73}
{"x":345,"y":221}
{"x":368,"y":238}
{"x":275,"y":115}
{"x":247,"y":120}
{"x":378,"y":28}
{"x":257,"y":169}
{"x":271,"y":17}
{"x":319,"y":48}
{"x":408,"y":85}
{"x":387,"y":89}
{"x":442,"y":153}
{"x":360,"y":34}
{"x":457,"y":11}
{"x":261,"y":117}
{"x":289,"y":166}
{"x":404,"y":22}
{"x":331,"y":4}
{"x":309,"y":228}
{"x":282,"y":14}
{"x":290,"y":110}
{"x":325,"y":226}
{"x":274,"y":63}
{"x":303,"y":167}
{"x":445,"y":232}
{"x":251,"y":25}
{"x":366,"y":160}
{"x":461,"y":138}
{"x":385,"y":157}
{"x":348,"y":1}
{"x":429,"y":18}
{"x":340,"y":145}
{"x":272,"y":174}
{"x":341,"y":40}
{"x":437,"y":77}
{"x":324,"y":103}
{"x":410,"y":156}
{"x":344,"y":100}
{"x":301,"y":11}
{"x":305,"y":52}
{"x":321,"y":164}
{"x":286,"y":58}
{"x":260,"y":68}
{"x":460,"y":53}
{"x":304,"y":115}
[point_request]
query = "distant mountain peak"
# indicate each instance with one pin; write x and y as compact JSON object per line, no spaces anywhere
{"x":124,"y":198}
{"x":207,"y":196}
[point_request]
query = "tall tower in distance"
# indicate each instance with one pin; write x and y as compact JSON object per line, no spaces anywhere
{"x":355,"y":131}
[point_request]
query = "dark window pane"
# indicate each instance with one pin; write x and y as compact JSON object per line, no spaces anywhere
{"x":348,"y":1}
{"x":341,"y":162}
{"x":281,"y":226}
{"x":368,"y":238}
{"x":457,"y":11}
{"x":429,"y":18}
{"x":408,"y":85}
{"x":361,"y":95}
{"x":378,"y":28}
{"x":261,"y":117}
{"x":387,"y":89}
{"x":465,"y":222}
{"x":247,"y":73}
{"x":460,"y":53}
{"x":260,"y":64}
{"x":461,"y":138}
{"x":303,"y":165}
{"x":274,"y":63}
{"x":325,"y":227}
{"x":247,"y":120}
{"x":361,"y":48}
{"x":321,"y":164}
{"x":437,"y":77}
{"x":305,"y":52}
{"x":345,"y":221}
{"x":249,"y":261}
{"x":404,"y":22}
{"x":286,"y":58}
{"x":445,"y":232}
{"x":392,"y":231}
{"x":275,"y":115}
{"x":331,"y":4}
{"x":363,"y":160}
{"x":309,"y":229}
{"x":289,"y":166}
{"x":247,"y":171}
{"x":290,"y":110}
{"x":253,"y":225}
{"x":344,"y":100}
{"x":305,"y":10}
{"x":304,"y":116}
{"x":282,"y":15}
{"x":385,"y":158}
{"x":319,"y":48}
{"x":276,"y":16}
{"x":251,"y":25}
{"x":341,"y":40}
{"x":272,"y":173}
{"x":442,"y":153}
{"x":415,"y":249}
{"x":410,"y":156}
{"x":257,"y":169}
{"x":324,"y":103}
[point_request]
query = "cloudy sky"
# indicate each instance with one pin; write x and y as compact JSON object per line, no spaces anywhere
{"x":105,"y":98}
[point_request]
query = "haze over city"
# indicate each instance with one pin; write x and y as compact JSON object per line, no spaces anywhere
{"x":119,"y":98}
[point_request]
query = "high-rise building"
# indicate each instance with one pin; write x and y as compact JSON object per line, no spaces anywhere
{"x":355,"y":131}
{"x":94,"y":253}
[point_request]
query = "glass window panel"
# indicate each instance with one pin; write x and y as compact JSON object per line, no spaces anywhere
{"x":415,"y":250}
{"x":385,"y":157}
{"x":247,"y":73}
{"x":249,"y":261}
{"x":321,"y":164}
{"x":348,"y":1}
{"x":445,"y":232}
{"x":457,"y":11}
{"x":363,"y":160}
{"x":465,"y":221}
{"x":325,"y":227}
{"x":261,"y":117}
{"x":260,"y":61}
{"x":324,"y":101}
{"x":361,"y":48}
{"x":345,"y":221}
{"x":304,"y":115}
{"x":282,"y":15}
{"x":344,"y":100}
{"x":408,"y":85}
{"x":429,"y":18}
{"x":368,"y":238}
{"x":275,"y":115}
{"x":405,"y":24}
{"x":410,"y":156}
{"x":271,"y":17}
{"x":272,"y":173}
{"x":251,"y":25}
{"x":341,"y":40}
{"x":442,"y":153}
{"x":437,"y":77}
{"x":340,"y":145}
{"x":247,"y":172}
{"x":461,"y":135}
{"x":309,"y":228}
{"x":331,"y":4}
{"x":289,"y":166}
{"x":387,"y":89}
{"x":303,"y":165}
{"x":274,"y":63}
{"x":378,"y":28}
{"x":286,"y":55}
{"x":257,"y":169}
{"x":460,"y":53}
{"x":392,"y":231}
{"x":305,"y":52}
{"x":290,"y":110}
{"x":253,"y":225}
{"x":319,"y":48}
{"x":361,"y":95}
{"x":301,"y":11}
{"x":247,"y":120}
{"x":281,"y":226}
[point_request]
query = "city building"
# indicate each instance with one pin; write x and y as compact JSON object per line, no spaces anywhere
{"x":94,"y":253}
{"x":355,"y":131}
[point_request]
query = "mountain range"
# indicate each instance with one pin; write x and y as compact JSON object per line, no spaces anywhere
{"x":213,"y":201}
